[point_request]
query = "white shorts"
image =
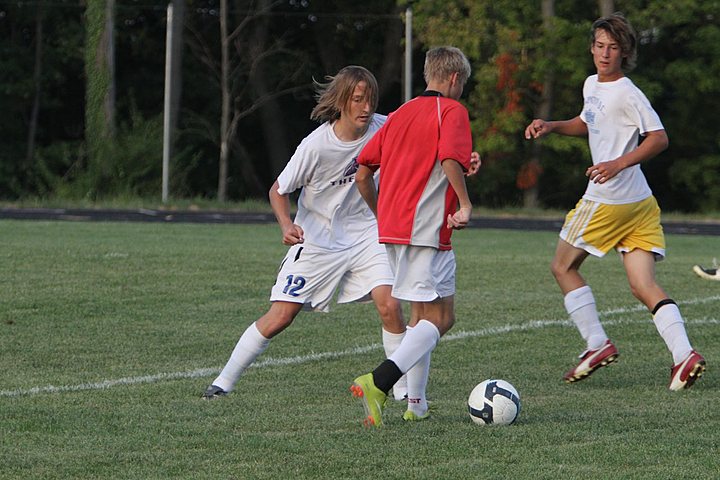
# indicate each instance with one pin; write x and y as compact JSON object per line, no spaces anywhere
{"x":311,"y":276}
{"x":422,"y":274}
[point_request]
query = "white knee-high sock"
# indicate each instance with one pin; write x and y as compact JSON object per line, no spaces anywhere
{"x":580,"y":305}
{"x":671,"y":327}
{"x":248,"y":348}
{"x":391,"y":342}
{"x":417,"y":342}
{"x":417,"y":381}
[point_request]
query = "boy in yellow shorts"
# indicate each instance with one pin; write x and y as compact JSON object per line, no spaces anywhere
{"x":618,"y":209}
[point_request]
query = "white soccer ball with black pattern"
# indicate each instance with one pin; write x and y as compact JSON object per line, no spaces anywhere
{"x":494,"y":402}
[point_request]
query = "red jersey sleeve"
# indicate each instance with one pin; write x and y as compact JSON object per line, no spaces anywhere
{"x":455,"y":137}
{"x":371,"y":153}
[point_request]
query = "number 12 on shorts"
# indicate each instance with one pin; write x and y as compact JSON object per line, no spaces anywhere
{"x":294,"y":283}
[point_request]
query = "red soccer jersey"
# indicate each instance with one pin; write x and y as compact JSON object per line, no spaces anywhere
{"x":415,"y":197}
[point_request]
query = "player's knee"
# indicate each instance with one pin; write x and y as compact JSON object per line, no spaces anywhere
{"x":561,"y":268}
{"x":643,"y":291}
{"x":277,"y":319}
{"x":391,"y":315}
{"x":556,"y":269}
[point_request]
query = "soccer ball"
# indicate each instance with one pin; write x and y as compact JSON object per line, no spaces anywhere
{"x":494,"y":402}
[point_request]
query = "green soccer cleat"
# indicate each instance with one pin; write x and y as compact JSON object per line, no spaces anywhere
{"x":410,"y":416}
{"x":373,"y":399}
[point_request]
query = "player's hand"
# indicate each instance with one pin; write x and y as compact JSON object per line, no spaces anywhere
{"x":537,"y":129}
{"x":459,"y":219}
{"x":604,"y":171}
{"x":475,"y":163}
{"x":293,"y":234}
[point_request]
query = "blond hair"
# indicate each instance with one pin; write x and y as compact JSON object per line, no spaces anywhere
{"x":334,"y":95}
{"x":442,"y":62}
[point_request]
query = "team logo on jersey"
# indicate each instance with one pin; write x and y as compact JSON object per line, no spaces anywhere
{"x":352,"y":168}
{"x":348,"y":174}
{"x":590,"y":117}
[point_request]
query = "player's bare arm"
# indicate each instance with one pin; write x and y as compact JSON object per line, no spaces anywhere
{"x":364,"y":179}
{"x":291,"y":233}
{"x":454,"y":172}
{"x":654,"y":143}
{"x":574,"y":127}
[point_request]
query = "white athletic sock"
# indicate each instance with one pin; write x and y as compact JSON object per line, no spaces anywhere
{"x":417,"y":342}
{"x":248,"y":348}
{"x":671,"y":327}
{"x":417,"y":381}
{"x":580,"y":305}
{"x":391,"y":341}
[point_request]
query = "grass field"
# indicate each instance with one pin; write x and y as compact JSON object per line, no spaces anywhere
{"x":110,"y":332}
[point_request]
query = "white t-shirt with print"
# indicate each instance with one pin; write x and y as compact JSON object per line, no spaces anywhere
{"x":616,"y":114}
{"x":331,"y":211}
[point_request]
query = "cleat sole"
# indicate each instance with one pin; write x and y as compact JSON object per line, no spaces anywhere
{"x":582,"y":376}
{"x":695,"y":374}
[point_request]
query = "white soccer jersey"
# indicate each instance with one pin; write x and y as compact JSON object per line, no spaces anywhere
{"x":331,"y":211}
{"x":616,"y":114}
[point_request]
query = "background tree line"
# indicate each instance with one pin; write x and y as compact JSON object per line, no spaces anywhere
{"x":82,"y":87}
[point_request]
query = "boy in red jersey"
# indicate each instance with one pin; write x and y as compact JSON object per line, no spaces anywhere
{"x":423,"y":152}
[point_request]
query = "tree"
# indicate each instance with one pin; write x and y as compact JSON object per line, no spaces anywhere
{"x":37,"y":81}
{"x":42,"y":94}
{"x":173,"y":84}
{"x":244,"y":54}
{"x":529,"y":174}
{"x":512,"y":49}
{"x":678,"y":67}
{"x":100,"y":91}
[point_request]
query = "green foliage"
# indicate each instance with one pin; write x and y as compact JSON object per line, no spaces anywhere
{"x":99,"y":98}
{"x":133,"y":163}
{"x":511,"y":52}
{"x":109,"y":332}
{"x":60,"y":82}
{"x":697,"y":178}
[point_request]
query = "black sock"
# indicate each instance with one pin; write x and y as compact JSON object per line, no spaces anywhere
{"x":386,"y":375}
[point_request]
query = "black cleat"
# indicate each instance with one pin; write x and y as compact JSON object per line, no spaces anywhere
{"x":213,"y":392}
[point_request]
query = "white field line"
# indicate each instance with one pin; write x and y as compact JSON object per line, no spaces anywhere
{"x":300,"y":359}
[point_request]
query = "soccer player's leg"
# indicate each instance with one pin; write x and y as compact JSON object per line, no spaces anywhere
{"x":253,"y":342}
{"x":590,"y":228}
{"x":369,"y":276}
{"x":640,"y":252}
{"x":305,"y":278}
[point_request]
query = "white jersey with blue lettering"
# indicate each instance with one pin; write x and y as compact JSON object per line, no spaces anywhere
{"x":616,"y":114}
{"x":331,"y":211}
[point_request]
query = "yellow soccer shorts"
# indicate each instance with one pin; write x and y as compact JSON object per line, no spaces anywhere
{"x":598,"y":227}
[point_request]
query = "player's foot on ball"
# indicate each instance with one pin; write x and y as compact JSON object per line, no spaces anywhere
{"x":684,"y":374}
{"x":373,"y":399}
{"x":591,"y":360}
{"x":212,"y":392}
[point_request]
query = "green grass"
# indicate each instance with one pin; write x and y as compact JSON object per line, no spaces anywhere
{"x":109,"y":332}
